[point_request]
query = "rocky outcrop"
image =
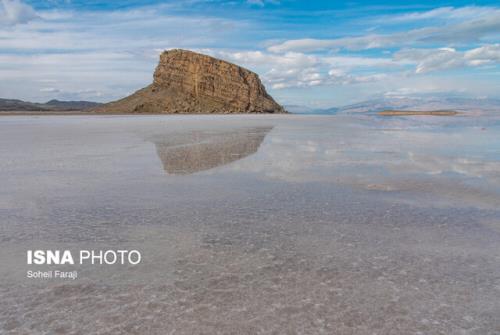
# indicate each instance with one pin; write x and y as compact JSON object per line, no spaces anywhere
{"x":189,"y":82}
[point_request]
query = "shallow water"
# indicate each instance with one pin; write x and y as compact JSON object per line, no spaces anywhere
{"x":253,"y":224}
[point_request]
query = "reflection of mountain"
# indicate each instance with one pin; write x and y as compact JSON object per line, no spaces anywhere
{"x":185,"y":153}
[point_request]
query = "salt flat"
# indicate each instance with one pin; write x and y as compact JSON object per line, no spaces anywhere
{"x":254,"y":224}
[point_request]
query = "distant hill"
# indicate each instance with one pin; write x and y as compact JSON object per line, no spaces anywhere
{"x":72,"y":105}
{"x":9,"y":105}
{"x":299,"y":109}
{"x":465,"y":105}
{"x":19,"y":105}
{"x":328,"y":111}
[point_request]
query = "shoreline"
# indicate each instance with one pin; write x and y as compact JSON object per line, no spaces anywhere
{"x":55,"y":113}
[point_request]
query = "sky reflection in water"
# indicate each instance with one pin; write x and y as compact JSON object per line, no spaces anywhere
{"x":344,"y":224}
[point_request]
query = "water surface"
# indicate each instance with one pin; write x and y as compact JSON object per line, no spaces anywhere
{"x":254,"y":224}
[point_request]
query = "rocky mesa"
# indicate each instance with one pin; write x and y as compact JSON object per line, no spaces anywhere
{"x":189,"y":82}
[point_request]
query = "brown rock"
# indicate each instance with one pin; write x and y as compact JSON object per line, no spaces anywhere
{"x":189,"y":82}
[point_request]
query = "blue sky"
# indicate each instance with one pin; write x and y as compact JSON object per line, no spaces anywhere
{"x":313,"y":53}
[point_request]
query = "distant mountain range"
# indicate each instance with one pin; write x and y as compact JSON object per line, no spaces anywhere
{"x":298,"y":109}
{"x":467,"y":105}
{"x":49,"y":106}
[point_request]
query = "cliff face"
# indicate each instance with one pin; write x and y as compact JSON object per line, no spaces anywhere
{"x":189,"y":82}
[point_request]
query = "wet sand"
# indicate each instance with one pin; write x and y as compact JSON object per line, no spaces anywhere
{"x":253,"y":224}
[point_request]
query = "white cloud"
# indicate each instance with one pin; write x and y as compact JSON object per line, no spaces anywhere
{"x":291,"y":69}
{"x":441,"y":13}
{"x":115,"y":52}
{"x":16,"y":12}
{"x":50,"y":90}
{"x":428,"y":60}
{"x":259,"y":58}
{"x":294,"y":69}
{"x":350,"y":61}
{"x":130,"y":29}
{"x":256,"y":2}
{"x":79,"y":76}
{"x":111,"y":51}
{"x":483,"y":55}
{"x":262,"y":3}
{"x":459,"y":26}
{"x":473,"y":30}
